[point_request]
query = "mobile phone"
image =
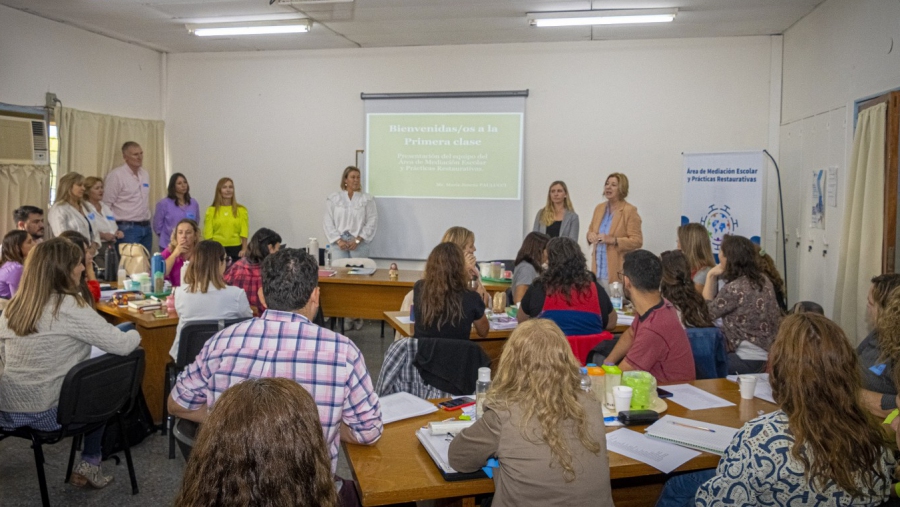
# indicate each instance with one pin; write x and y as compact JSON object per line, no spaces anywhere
{"x":456,"y":403}
{"x":662,"y":393}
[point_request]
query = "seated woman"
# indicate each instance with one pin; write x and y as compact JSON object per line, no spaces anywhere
{"x":444,"y":305}
{"x":465,"y":239}
{"x":547,"y":434}
{"x":678,"y":288}
{"x":879,"y":352}
{"x":90,"y":287}
{"x":204,"y":295}
{"x":821,"y":448}
{"x":47,"y":329}
{"x":529,"y":263}
{"x":568,"y":294}
{"x":245,"y":272}
{"x":246,"y":424}
{"x":16,"y":246}
{"x":184,"y":240}
{"x":767,"y":266}
{"x":746,"y":304}
{"x":693,"y":241}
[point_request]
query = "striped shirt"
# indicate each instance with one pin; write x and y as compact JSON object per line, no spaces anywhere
{"x":283,"y":344}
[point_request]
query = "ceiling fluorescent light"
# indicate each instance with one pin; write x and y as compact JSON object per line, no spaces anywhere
{"x":249,"y":28}
{"x":606,"y":17}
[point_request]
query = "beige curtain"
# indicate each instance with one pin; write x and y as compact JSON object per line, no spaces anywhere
{"x":862,"y":233}
{"x":91,"y":144}
{"x":20,"y":185}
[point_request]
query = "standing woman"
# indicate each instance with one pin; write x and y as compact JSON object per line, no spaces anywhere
{"x":173,"y":208}
{"x":693,"y":241}
{"x":103,"y":218}
{"x":614,"y":231}
{"x":558,"y":218}
{"x":68,"y":213}
{"x":351,"y":218}
{"x":444,"y":305}
{"x":547,"y":434}
{"x":746,"y":304}
{"x":227,"y":221}
{"x":47,"y":329}
{"x":16,"y":246}
{"x":181,"y":249}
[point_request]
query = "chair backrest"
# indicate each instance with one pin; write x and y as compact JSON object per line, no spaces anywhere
{"x":357,"y":262}
{"x":399,"y":375}
{"x":194,"y":335}
{"x":708,"y":348}
{"x":94,"y":390}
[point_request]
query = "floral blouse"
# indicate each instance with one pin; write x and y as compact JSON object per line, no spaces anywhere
{"x":747,"y":313}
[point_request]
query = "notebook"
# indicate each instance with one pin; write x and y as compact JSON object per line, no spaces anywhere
{"x":438,"y":447}
{"x":399,"y":406}
{"x":687,"y":432}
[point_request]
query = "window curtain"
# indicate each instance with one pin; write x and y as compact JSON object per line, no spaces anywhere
{"x":91,"y":144}
{"x":862,"y":233}
{"x":21,"y":185}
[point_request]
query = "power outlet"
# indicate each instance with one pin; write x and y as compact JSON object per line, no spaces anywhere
{"x":51,"y":100}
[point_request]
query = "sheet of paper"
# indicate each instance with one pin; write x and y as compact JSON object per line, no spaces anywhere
{"x":694,"y":398}
{"x":662,"y":456}
{"x":763,"y":388}
{"x":399,"y":406}
{"x":503,"y":322}
{"x":404,"y":320}
{"x":623,"y":319}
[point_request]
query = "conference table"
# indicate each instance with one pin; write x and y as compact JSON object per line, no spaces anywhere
{"x":397,"y":469}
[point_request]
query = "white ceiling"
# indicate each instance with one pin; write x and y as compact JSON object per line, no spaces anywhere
{"x":159,"y":24}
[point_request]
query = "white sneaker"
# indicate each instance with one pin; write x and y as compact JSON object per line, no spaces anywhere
{"x":358,"y":324}
{"x":86,"y":474}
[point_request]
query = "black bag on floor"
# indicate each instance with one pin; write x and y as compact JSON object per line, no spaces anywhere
{"x":138,"y":425}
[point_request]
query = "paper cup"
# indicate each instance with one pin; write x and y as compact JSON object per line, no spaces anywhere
{"x":622,"y":395}
{"x":748,"y":386}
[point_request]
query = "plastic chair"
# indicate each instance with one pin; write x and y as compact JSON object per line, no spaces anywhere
{"x":193,"y":337}
{"x":93,"y":393}
{"x":708,"y":348}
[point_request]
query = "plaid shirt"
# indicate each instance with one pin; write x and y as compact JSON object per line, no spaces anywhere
{"x":283,"y":344}
{"x":399,"y":374}
{"x":245,"y":275}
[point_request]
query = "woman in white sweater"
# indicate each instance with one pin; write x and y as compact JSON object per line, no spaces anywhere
{"x":69,"y":212}
{"x":203,"y":294}
{"x":47,"y":329}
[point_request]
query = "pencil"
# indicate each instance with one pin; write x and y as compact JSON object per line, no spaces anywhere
{"x":691,"y":426}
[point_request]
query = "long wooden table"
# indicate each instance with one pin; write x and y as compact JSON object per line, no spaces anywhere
{"x":397,"y":469}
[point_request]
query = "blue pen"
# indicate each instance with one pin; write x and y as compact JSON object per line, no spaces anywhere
{"x":611,"y":418}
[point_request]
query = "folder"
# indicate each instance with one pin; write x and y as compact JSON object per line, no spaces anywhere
{"x":438,"y":447}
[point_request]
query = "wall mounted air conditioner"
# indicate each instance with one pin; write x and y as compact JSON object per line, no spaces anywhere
{"x":23,"y":141}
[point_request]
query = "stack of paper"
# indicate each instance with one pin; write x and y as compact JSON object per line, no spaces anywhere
{"x":700,"y":435}
{"x":660,"y":455}
{"x":399,"y":406}
{"x":694,"y":398}
{"x":503,"y":322}
{"x":623,"y":319}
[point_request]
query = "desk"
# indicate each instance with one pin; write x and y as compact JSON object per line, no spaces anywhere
{"x":157,"y":336}
{"x":397,"y":469}
{"x":492,"y":344}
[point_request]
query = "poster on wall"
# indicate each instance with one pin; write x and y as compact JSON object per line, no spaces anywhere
{"x":724,"y":192}
{"x":817,"y":214}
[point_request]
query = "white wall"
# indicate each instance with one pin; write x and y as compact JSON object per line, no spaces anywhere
{"x":284,"y":124}
{"x":85,"y":70}
{"x":836,"y":55}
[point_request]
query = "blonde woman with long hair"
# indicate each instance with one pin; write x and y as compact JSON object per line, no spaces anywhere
{"x":226,"y":221}
{"x":69,"y":212}
{"x":465,"y":239}
{"x":547,"y":434}
{"x":558,"y":217}
{"x":693,"y":241}
{"x":48,"y":328}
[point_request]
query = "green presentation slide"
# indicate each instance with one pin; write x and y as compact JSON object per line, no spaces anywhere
{"x":447,"y":155}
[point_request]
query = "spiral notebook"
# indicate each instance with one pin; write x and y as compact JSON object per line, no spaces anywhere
{"x":438,"y":447}
{"x":700,"y":435}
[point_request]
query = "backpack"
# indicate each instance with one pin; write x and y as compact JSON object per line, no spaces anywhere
{"x":134,"y":257}
{"x":137,"y":424}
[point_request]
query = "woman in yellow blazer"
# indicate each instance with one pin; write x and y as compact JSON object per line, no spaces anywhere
{"x":614,"y":231}
{"x":227,"y":222}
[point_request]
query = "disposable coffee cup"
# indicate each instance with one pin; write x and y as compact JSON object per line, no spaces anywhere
{"x":748,"y":386}
{"x":622,"y":395}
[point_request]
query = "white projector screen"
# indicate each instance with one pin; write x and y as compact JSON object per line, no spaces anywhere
{"x":433,"y":163}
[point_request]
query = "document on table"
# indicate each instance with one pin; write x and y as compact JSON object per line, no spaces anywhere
{"x":503,"y":322}
{"x":694,"y":398}
{"x":623,"y":319}
{"x":399,"y":406}
{"x":763,"y":387}
{"x":404,"y":319}
{"x":662,"y":456}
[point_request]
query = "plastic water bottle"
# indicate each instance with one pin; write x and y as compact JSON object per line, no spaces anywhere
{"x":615,"y":295}
{"x":585,"y":380}
{"x":312,"y":248}
{"x":327,"y":256}
{"x":121,"y":275}
{"x":481,"y":389}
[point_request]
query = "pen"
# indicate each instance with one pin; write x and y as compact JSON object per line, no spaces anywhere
{"x":611,"y":418}
{"x":690,"y":426}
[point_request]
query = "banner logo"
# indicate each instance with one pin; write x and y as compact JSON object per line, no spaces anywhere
{"x":719,"y":223}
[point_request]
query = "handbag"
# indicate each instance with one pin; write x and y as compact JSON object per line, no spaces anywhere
{"x":134,"y":258}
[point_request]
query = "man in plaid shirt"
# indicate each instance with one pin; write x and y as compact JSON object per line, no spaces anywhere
{"x":283,"y":342}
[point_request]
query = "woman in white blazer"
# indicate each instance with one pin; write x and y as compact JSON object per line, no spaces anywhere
{"x":69,"y":213}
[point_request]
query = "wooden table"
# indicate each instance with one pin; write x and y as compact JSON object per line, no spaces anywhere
{"x":397,"y":469}
{"x":157,"y":336}
{"x":492,"y":344}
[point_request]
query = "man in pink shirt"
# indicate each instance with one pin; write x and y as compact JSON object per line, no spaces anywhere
{"x":127,"y":192}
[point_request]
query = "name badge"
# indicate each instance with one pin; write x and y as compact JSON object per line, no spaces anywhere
{"x":146,"y":185}
{"x":192,"y":216}
{"x":90,"y":216}
{"x":111,"y":218}
{"x":878,"y":369}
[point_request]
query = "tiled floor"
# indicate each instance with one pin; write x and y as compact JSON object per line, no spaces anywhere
{"x":158,"y":477}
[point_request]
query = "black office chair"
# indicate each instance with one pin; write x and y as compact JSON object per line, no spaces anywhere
{"x":93,"y":393}
{"x":193,"y":337}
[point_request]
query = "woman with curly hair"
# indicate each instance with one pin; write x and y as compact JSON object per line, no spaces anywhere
{"x":767,"y":266}
{"x":444,"y":305}
{"x":261,"y":445}
{"x":746,"y":304}
{"x":547,"y":434}
{"x":879,"y":352}
{"x":820,"y":448}
{"x":678,"y":288}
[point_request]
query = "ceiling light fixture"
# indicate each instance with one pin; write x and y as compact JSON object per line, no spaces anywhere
{"x":606,"y":17}
{"x":249,"y":28}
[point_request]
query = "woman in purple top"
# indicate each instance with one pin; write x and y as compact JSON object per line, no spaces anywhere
{"x":16,"y":245}
{"x":173,"y":208}
{"x":181,"y":249}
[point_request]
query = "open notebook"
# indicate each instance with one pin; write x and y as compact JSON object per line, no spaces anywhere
{"x":712,"y":438}
{"x":438,"y":447}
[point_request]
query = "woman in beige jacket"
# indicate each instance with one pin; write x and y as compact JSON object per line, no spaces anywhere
{"x":614,"y":231}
